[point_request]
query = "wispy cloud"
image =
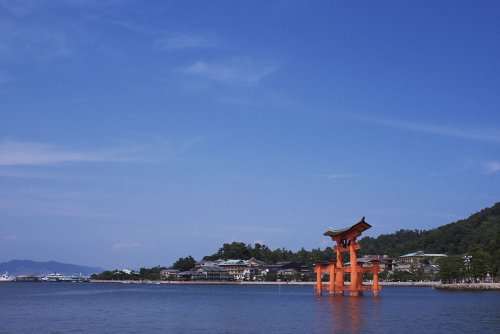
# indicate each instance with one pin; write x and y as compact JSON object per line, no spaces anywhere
{"x":459,"y":169}
{"x":11,"y":237}
{"x":492,"y":167}
{"x":16,"y":153}
{"x":169,"y":40}
{"x":470,"y":165}
{"x":17,"y":42}
{"x":133,"y":27}
{"x":443,"y":130}
{"x":180,"y":42}
{"x":28,"y":174}
{"x":236,"y":72}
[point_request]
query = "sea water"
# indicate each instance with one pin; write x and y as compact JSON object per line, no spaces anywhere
{"x":149,"y":308}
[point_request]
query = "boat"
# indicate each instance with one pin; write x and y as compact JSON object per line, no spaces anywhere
{"x":6,"y":278}
{"x":55,"y":277}
{"x":28,"y":278}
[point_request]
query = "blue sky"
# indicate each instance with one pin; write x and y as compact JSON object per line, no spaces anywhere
{"x":136,"y":132}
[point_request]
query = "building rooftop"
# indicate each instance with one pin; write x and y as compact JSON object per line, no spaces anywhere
{"x":257,"y":261}
{"x":364,"y":260}
{"x":188,"y":273}
{"x":213,"y":268}
{"x":232,"y":262}
{"x":421,"y":253}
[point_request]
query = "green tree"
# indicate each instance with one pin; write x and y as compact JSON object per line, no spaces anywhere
{"x":403,"y":276}
{"x":115,"y":275}
{"x":234,"y":250}
{"x":184,"y":263}
{"x":479,"y":265}
{"x":262,"y":252}
{"x":451,"y":269}
{"x":151,"y":274}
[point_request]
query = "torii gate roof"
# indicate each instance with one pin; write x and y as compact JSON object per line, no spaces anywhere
{"x":356,"y":229}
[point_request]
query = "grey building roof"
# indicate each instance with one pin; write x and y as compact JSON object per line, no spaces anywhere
{"x":421,"y":253}
{"x":213,"y":268}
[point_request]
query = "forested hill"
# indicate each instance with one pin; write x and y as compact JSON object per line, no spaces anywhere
{"x":479,"y":232}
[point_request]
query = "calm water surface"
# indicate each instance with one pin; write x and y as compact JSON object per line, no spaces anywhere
{"x":130,"y":308}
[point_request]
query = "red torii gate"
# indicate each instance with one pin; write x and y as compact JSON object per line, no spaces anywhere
{"x":346,"y":242}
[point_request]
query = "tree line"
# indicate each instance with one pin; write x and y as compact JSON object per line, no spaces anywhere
{"x":477,"y":237}
{"x":242,"y":251}
{"x":469,"y":268}
{"x":234,"y":250}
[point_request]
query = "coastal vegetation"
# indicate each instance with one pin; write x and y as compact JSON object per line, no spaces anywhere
{"x":477,"y":236}
{"x":471,"y":268}
{"x":240,"y":250}
{"x":184,"y":263}
{"x":144,"y":274}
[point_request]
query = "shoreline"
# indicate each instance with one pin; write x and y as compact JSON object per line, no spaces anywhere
{"x":422,"y":284}
{"x":435,"y":285}
{"x":469,"y":287}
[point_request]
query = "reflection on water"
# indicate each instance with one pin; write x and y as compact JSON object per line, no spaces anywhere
{"x":344,"y":314}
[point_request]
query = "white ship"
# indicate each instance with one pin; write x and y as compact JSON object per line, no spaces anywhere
{"x":6,"y":278}
{"x":55,"y":277}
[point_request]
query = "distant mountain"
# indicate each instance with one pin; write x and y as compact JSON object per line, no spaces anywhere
{"x":28,"y":267}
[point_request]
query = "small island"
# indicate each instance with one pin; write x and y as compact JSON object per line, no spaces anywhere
{"x":459,"y":256}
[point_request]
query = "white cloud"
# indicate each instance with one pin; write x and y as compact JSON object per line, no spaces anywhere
{"x":16,"y":153}
{"x":181,"y":42}
{"x":492,"y":167}
{"x":237,"y":72}
{"x":443,"y":130}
